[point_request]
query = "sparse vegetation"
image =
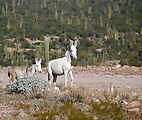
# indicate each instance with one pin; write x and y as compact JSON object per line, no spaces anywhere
{"x":70,"y":103}
{"x":113,"y":26}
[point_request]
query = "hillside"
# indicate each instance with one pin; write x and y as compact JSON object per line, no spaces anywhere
{"x":106,"y":29}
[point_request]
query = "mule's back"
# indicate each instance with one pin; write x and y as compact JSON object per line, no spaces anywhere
{"x":20,"y":73}
{"x":30,"y":71}
{"x":16,"y":72}
{"x":56,"y":66}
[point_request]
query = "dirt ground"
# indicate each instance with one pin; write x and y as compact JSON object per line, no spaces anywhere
{"x":123,"y":78}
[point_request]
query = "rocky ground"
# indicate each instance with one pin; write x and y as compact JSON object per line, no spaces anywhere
{"x":97,"y":77}
{"x":126,"y":80}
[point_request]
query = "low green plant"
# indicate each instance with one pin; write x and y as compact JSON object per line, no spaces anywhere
{"x":66,"y":111}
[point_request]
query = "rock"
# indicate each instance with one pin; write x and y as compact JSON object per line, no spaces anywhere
{"x":126,"y":67}
{"x":133,"y":106}
{"x":89,"y":66}
{"x":133,"y":109}
{"x":140,"y":98}
{"x":95,"y":117}
{"x":23,"y":114}
{"x":99,"y":50}
{"x":56,"y":117}
{"x":117,"y":66}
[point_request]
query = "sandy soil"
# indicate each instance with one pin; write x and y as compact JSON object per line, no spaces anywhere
{"x":123,"y":78}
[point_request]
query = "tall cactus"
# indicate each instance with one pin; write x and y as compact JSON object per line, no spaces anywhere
{"x":46,"y":50}
{"x":5,"y":51}
{"x":115,"y":33}
{"x":56,"y":14}
{"x":8,"y":25}
{"x":90,"y":10}
{"x":6,"y":8}
{"x":109,"y":11}
{"x":21,"y":22}
{"x":19,"y":2}
{"x":3,"y":11}
{"x":86,"y":23}
{"x":24,"y":33}
{"x":101,"y":21}
{"x":13,"y":5}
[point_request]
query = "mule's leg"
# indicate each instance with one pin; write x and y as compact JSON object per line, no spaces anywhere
{"x":70,"y":73}
{"x":65,"y":77}
{"x":54,"y":79}
{"x":13,"y":76}
{"x":9,"y":74}
{"x":49,"y":77}
{"x":49,"y":71}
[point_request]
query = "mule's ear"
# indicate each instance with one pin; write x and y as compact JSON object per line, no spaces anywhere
{"x":75,"y":43}
{"x":71,"y":42}
{"x":40,"y":60}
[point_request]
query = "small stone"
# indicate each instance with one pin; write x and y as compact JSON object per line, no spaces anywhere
{"x":47,"y":117}
{"x":133,"y":106}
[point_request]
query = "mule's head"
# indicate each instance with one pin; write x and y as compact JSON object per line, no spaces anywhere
{"x":38,"y":65}
{"x":73,"y":49}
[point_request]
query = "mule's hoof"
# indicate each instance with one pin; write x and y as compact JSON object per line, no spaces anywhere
{"x":4,"y":87}
{"x":50,"y":83}
{"x":54,"y":84}
{"x":71,"y":84}
{"x":56,"y":89}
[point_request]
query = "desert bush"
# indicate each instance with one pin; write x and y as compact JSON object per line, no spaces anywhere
{"x":27,"y":85}
{"x":65,"y":111}
{"x":72,"y":96}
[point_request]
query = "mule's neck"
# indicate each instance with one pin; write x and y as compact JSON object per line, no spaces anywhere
{"x":31,"y":70}
{"x":69,"y":57}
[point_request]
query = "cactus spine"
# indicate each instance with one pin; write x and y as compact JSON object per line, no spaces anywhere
{"x":46,"y":50}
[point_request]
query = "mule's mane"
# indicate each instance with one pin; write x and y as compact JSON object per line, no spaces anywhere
{"x":29,"y":68}
{"x":67,"y":54}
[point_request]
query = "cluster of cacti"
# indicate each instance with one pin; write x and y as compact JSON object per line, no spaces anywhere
{"x":109,"y":20}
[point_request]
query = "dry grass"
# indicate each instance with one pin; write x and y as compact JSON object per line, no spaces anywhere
{"x":69,"y":104}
